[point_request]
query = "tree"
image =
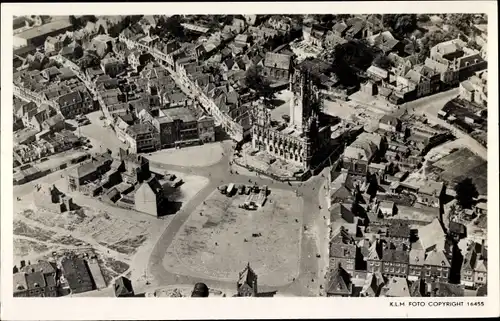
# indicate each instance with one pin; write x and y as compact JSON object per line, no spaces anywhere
{"x":89,"y":60}
{"x":75,"y":22}
{"x":172,"y":26}
{"x":255,"y":80}
{"x":466,"y":192}
{"x":461,"y":21}
{"x":382,"y":61}
{"x":400,"y":24}
{"x":423,"y":18}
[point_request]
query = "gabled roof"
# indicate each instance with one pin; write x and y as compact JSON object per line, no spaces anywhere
{"x":417,"y":254}
{"x":432,"y":235}
{"x":276,"y":60}
{"x":339,"y":282}
{"x":373,"y":253}
{"x":398,"y":229}
{"x":437,"y":258}
{"x":340,"y":27}
{"x":123,"y":287}
{"x":247,"y":276}
{"x":340,"y":210}
{"x":395,"y":256}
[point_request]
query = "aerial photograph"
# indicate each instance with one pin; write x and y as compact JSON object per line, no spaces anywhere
{"x":317,"y":155}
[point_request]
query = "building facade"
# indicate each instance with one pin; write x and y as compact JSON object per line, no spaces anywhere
{"x":298,"y":142}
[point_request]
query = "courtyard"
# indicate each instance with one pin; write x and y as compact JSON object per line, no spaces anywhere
{"x":219,"y":239}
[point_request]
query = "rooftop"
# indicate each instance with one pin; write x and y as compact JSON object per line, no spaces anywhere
{"x":179,"y":113}
{"x":44,"y":29}
{"x":437,"y":258}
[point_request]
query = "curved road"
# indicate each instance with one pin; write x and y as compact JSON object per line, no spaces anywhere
{"x":220,"y":174}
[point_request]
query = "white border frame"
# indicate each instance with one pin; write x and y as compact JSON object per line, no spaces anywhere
{"x":236,"y":308}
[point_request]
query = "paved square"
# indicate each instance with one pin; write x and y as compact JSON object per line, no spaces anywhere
{"x":213,"y":244}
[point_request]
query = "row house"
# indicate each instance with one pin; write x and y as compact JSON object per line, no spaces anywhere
{"x":436,"y":266}
{"x":395,"y":263}
{"x":431,"y":193}
{"x":474,"y":267}
{"x":142,"y":137}
{"x":374,"y":258}
{"x":421,"y":80}
{"x":206,"y":129}
{"x":398,"y":235}
{"x":475,"y":89}
{"x":343,"y":252}
{"x":416,"y":261}
{"x":75,"y":103}
{"x":35,"y":280}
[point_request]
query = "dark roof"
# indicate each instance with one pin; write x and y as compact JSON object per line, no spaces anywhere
{"x":70,"y":99}
{"x":123,"y":287}
{"x":456,"y":227}
{"x":35,"y":280}
{"x":342,"y":250}
{"x":482,"y":290}
{"x":339,"y":282}
{"x":341,"y":210}
{"x":399,"y":229}
{"x":76,"y":273}
{"x":442,"y":289}
{"x":395,"y":256}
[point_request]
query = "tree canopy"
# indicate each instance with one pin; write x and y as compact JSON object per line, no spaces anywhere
{"x":255,"y":80}
{"x":170,"y":27}
{"x":382,"y":61}
{"x":431,"y":39}
{"x":400,"y":24}
{"x":466,"y":192}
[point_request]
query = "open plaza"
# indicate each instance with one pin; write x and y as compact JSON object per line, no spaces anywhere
{"x":220,"y":237}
